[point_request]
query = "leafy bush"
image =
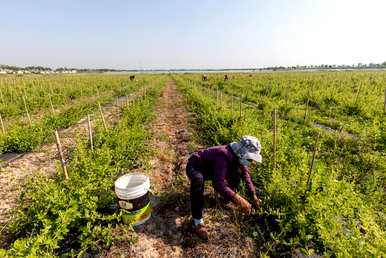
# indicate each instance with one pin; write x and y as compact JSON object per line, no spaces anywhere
{"x":339,"y":211}
{"x":70,"y":218}
{"x":20,"y":137}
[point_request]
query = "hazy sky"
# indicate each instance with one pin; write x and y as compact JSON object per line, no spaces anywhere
{"x":191,"y":34}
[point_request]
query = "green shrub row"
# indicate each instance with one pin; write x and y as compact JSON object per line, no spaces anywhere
{"x":38,"y":90}
{"x":20,"y":137}
{"x":80,"y":216}
{"x":318,"y":212}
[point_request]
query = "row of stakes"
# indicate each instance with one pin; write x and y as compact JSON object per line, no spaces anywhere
{"x":90,"y":133}
{"x":218,"y":96}
{"x":2,"y":124}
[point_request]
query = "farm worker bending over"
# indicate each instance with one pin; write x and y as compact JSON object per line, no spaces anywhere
{"x":224,"y":165}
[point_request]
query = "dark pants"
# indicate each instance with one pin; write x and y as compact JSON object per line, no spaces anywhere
{"x":197,"y":180}
{"x":196,"y":191}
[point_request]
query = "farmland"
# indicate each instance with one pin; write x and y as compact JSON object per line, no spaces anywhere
{"x":322,"y":180}
{"x":45,"y":103}
{"x":333,"y":206}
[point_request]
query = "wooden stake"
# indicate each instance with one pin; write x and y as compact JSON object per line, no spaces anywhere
{"x":309,"y":177}
{"x":357,"y":95}
{"x":52,"y":106}
{"x":90,"y":132}
{"x":102,"y":116}
{"x":384,"y":102}
{"x":2,"y":124}
{"x":1,"y":95}
{"x":144,"y":93}
{"x":62,"y":161}
{"x":232,"y":104}
{"x":240,"y":107}
{"x":26,"y":110}
{"x":306,"y":111}
{"x":274,"y":136}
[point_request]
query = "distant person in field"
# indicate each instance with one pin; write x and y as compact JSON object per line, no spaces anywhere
{"x":224,"y":165}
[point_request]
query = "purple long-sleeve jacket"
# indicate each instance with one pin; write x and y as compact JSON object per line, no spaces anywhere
{"x":221,"y":165}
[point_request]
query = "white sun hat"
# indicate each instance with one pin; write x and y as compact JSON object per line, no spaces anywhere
{"x":248,"y":148}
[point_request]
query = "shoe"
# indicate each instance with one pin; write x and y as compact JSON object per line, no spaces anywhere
{"x":201,"y":231}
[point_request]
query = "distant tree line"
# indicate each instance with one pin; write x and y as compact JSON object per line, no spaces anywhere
{"x":103,"y":70}
{"x":328,"y":66}
{"x":60,"y":69}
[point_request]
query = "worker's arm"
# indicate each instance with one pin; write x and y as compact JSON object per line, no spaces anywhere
{"x":250,"y":187}
{"x":219,"y":184}
{"x":248,"y":181}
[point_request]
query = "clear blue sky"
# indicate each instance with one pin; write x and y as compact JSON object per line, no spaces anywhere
{"x":191,"y":34}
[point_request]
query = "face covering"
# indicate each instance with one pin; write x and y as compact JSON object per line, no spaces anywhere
{"x":244,"y":162}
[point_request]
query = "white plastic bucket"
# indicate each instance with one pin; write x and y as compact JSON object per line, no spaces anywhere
{"x":132,"y":191}
{"x":131,"y":186}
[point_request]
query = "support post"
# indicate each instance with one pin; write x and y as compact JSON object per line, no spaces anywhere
{"x":26,"y":110}
{"x":52,"y":106}
{"x":312,"y":162}
{"x":2,"y":124}
{"x":306,"y":111}
{"x":60,"y":150}
{"x":274,"y":137}
{"x":357,"y":95}
{"x":240,"y":106}
{"x":232,"y":104}
{"x":1,"y":96}
{"x":102,"y":116}
{"x":90,"y":132}
{"x":144,"y":93}
{"x":384,"y":102}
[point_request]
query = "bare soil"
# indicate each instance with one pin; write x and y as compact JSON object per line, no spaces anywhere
{"x":167,"y":233}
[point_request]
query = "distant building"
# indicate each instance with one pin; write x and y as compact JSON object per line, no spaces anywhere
{"x":68,"y":71}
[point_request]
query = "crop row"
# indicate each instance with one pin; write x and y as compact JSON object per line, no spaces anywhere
{"x":40,"y":91}
{"x":22,"y":137}
{"x":361,"y":156}
{"x":58,"y":217}
{"x":309,"y":210}
{"x":350,"y":101}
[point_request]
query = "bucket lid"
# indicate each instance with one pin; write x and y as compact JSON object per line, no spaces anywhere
{"x":131,"y":186}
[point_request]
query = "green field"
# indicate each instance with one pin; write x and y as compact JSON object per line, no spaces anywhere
{"x":53,"y":102}
{"x":323,"y":182}
{"x":338,"y":206}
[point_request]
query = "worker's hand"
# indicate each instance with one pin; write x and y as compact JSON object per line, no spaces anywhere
{"x":244,"y":204}
{"x":256,"y":201}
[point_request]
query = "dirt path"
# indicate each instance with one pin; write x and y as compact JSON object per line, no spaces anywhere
{"x":167,"y":233}
{"x":43,"y":159}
